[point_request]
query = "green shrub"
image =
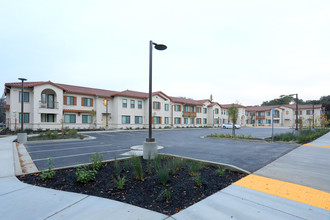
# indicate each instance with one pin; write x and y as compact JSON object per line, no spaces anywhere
{"x":221,"y":170}
{"x":163,"y":174}
{"x":195,"y":167}
{"x":117,"y":167}
{"x":48,"y":133}
{"x":120,"y":182}
{"x":54,"y":135}
{"x":84,"y":175}
{"x":227,"y":135}
{"x":164,"y":195}
{"x":137,"y":166}
{"x":97,"y":160}
{"x":175,"y":164}
{"x":72,"y":132}
{"x":157,"y":162}
{"x":198,"y":179}
{"x":48,"y":174}
{"x":126,"y":165}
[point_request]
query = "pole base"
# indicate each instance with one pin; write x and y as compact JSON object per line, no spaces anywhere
{"x":150,"y":139}
{"x":22,"y":138}
{"x":149,"y":150}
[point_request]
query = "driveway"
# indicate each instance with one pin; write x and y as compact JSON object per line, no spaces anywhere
{"x":248,"y":155}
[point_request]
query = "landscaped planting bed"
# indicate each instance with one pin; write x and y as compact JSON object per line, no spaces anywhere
{"x":166,"y":185}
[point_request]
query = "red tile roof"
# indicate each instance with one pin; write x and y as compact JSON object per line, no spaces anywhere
{"x":67,"y":88}
{"x":268,"y":108}
{"x":185,"y":101}
{"x":213,"y":104}
{"x":310,"y":106}
{"x":130,"y":93}
{"x":226,"y":106}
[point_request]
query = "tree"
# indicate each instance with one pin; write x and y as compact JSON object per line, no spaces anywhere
{"x":233,"y":116}
{"x":2,"y":110}
{"x":282,"y":100}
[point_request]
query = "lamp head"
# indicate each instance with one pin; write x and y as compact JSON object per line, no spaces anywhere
{"x":22,"y":79}
{"x":160,"y":46}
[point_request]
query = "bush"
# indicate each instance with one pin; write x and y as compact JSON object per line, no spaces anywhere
{"x":120,"y":182}
{"x":48,"y":174}
{"x":97,"y":160}
{"x":163,"y":174}
{"x":84,"y":175}
{"x":195,"y":167}
{"x":221,"y":170}
{"x":198,"y":179}
{"x":54,"y":135}
{"x":137,"y":166}
{"x":72,"y":132}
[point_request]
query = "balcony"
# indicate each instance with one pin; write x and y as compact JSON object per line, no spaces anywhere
{"x":48,"y":105}
{"x":260,"y":117}
{"x":276,"y":115}
{"x":188,"y":114}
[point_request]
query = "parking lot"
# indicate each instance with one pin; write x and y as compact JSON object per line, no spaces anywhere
{"x":248,"y":155}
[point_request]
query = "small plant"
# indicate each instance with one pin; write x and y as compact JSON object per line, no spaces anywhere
{"x":126,"y":166}
{"x":137,"y":166}
{"x":120,"y":182}
{"x":72,"y":132}
{"x":198,"y":179}
{"x":48,"y":133}
{"x":157,"y":162}
{"x":48,"y":174}
{"x":163,"y":174}
{"x":165,"y":194}
{"x":84,"y":175}
{"x":117,"y":166}
{"x":54,"y":135}
{"x":175,"y":164}
{"x":228,"y":136}
{"x":194,"y":167}
{"x":97,"y":160}
{"x":221,"y":170}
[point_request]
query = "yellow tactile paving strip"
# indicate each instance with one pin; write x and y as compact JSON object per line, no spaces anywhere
{"x":315,"y":145}
{"x":287,"y":190}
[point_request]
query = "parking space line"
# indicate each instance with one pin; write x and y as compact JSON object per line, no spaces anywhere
{"x":71,"y":148}
{"x":77,"y":155}
{"x":54,"y":144}
{"x":287,"y":190}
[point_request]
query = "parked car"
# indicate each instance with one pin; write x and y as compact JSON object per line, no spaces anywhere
{"x":2,"y":125}
{"x":230,"y":126}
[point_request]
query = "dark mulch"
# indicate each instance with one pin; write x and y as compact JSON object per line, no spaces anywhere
{"x":146,"y":194}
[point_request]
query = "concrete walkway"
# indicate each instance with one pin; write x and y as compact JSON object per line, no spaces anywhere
{"x":284,"y":189}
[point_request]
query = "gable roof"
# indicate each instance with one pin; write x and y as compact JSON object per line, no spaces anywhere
{"x":269,"y":107}
{"x":185,"y":101}
{"x":226,"y":106}
{"x":66,"y":88}
{"x":130,"y":93}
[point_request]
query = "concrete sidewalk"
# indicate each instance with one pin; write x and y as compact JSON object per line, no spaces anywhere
{"x":257,"y":196}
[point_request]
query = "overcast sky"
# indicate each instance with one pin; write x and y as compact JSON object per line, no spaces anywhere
{"x":238,"y":51}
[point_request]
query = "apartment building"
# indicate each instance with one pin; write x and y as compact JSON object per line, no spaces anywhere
{"x":49,"y":105}
{"x":284,"y":115}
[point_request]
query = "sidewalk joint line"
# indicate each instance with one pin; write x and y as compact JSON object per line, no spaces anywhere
{"x":66,"y":207}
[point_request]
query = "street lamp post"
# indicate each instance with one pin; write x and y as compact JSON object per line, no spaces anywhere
{"x":296,"y":110}
{"x":150,"y":146}
{"x":22,"y":137}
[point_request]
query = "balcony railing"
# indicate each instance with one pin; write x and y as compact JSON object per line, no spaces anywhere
{"x":189,"y":114}
{"x":276,"y":116}
{"x":48,"y":105}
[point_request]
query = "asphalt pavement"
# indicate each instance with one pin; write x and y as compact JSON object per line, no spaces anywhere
{"x":247,"y":155}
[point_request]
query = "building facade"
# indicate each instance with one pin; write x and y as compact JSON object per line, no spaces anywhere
{"x":49,"y":105}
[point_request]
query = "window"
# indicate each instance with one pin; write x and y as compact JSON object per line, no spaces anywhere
{"x":125,"y":119}
{"x":268,"y":113}
{"x":132,"y":103}
{"x":216,"y":121}
{"x":309,"y":112}
{"x":26,"y":117}
{"x":204,"y":110}
{"x":185,"y":120}
{"x":86,"y":119}
{"x":269,"y":121}
{"x":216,"y":111}
{"x":166,"y":107}
{"x":177,"y":108}
{"x":138,"y":119}
{"x":157,"y":120}
{"x":124,"y":103}
{"x":299,"y":112}
{"x":260,"y":113}
{"x":177,"y":120}
{"x":26,"y":96}
{"x":70,"y":100}
{"x":204,"y":121}
{"x":260,"y":121}
{"x":198,"y":121}
{"x":166,"y":120}
{"x":191,"y":121}
{"x":47,"y":118}
{"x":86,"y":102}
{"x":139,"y":104}
{"x":199,"y":109}
{"x":192,"y":109}
{"x":70,"y":118}
{"x":186,"y":108}
{"x":156,"y":105}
